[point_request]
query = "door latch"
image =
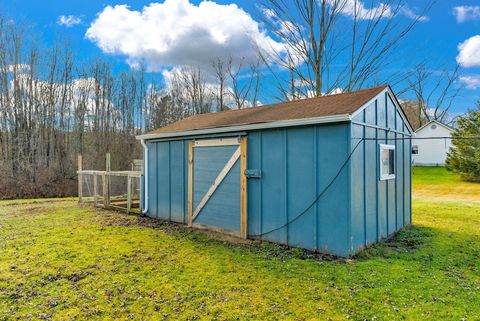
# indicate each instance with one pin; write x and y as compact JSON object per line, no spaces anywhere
{"x":252,"y":173}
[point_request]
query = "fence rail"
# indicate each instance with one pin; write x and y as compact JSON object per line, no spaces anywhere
{"x":118,"y":190}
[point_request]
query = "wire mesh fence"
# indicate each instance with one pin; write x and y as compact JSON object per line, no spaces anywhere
{"x":92,"y":188}
{"x":118,"y":190}
{"x":111,"y":189}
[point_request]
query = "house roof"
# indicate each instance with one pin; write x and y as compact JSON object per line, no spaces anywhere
{"x":436,"y":122}
{"x":338,"y":107}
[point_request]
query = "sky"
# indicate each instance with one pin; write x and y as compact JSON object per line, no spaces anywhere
{"x":171,"y":33}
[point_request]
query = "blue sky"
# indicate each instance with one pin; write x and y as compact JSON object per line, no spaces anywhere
{"x":435,"y":40}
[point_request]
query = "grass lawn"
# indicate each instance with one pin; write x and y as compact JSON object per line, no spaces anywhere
{"x":63,"y":262}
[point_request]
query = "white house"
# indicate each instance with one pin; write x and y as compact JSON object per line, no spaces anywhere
{"x":431,"y":152}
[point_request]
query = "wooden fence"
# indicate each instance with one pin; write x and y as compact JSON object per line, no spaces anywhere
{"x":119,"y":190}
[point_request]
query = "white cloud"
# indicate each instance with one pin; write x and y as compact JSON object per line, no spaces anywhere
{"x":466,"y":13}
{"x":409,"y":13}
{"x":178,"y":33}
{"x":471,"y":82}
{"x":69,"y":21}
{"x":357,"y":8}
{"x":335,"y":91}
{"x":469,"y":52}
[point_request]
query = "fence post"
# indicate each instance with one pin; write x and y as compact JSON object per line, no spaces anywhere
{"x":107,"y":178}
{"x":129,"y":193}
{"x":95,"y":190}
{"x":80,"y":178}
{"x":104,"y":190}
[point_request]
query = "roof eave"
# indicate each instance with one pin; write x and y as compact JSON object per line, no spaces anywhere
{"x":247,"y":127}
{"x":388,"y":90}
{"x":437,"y":122}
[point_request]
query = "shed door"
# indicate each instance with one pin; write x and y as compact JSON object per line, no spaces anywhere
{"x":217,"y":185}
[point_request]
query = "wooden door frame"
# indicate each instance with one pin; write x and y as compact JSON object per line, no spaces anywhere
{"x":242,"y":141}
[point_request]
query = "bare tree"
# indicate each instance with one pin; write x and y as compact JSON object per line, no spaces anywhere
{"x":435,"y":91}
{"x":53,"y":106}
{"x":331,"y":44}
{"x":220,"y":68}
{"x":244,"y":90}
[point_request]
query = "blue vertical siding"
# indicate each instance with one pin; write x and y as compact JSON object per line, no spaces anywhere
{"x":301,"y":186}
{"x":163,"y":181}
{"x":273,"y":202}
{"x":152,"y":180}
{"x":167,"y":180}
{"x":333,"y":207}
{"x":358,"y":199}
{"x":391,"y":111}
{"x":379,"y":207}
{"x":177,"y":173}
{"x":296,"y":164}
{"x":371,"y":177}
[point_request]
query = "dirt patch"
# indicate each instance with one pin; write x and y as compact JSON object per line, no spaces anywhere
{"x":408,"y":240}
{"x":268,"y":249}
{"x":117,"y":219}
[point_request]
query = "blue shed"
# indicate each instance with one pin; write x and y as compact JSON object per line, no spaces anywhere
{"x":329,"y":174}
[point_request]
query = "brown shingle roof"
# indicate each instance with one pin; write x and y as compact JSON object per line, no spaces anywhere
{"x":339,"y":104}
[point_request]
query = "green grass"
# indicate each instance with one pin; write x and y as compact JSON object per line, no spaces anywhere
{"x":63,"y":262}
{"x":435,"y":175}
{"x":437,"y":183}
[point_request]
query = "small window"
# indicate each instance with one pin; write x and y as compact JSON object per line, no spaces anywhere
{"x":433,"y":126}
{"x":387,"y":162}
{"x":414,"y":149}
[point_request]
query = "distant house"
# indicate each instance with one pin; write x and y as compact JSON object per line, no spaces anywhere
{"x":431,"y":152}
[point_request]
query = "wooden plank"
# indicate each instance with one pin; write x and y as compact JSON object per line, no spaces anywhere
{"x":223,"y":173}
{"x":126,"y":173}
{"x":243,"y":188}
{"x":216,"y":142}
{"x":80,"y":178}
{"x":90,"y":172}
{"x":112,"y":173}
{"x":190,"y":182}
{"x":129,"y":194}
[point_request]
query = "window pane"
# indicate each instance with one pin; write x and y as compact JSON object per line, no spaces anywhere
{"x":391,"y":163}
{"x":385,"y":162}
{"x":415,"y":149}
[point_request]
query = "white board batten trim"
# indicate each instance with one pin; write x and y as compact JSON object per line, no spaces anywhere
{"x":221,"y":176}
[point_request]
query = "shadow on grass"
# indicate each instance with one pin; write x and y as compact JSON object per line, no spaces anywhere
{"x":409,"y":239}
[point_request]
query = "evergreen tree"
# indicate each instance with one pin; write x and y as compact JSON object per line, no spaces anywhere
{"x":464,"y":156}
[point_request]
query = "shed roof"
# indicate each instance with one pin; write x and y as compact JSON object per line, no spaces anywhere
{"x":327,"y":107}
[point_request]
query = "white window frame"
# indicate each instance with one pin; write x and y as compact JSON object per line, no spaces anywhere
{"x":386,"y":176}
